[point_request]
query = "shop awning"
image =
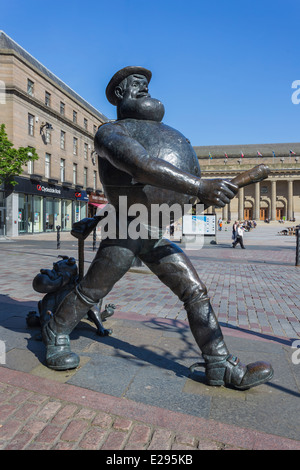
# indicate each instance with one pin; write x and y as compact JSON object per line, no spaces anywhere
{"x":100,"y":206}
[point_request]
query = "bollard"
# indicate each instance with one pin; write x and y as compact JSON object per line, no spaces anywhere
{"x":58,"y":237}
{"x":94,"y":239}
{"x":297,"y":246}
{"x":80,"y":258}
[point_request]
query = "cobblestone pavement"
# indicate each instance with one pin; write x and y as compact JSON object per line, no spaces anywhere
{"x":33,"y":421}
{"x":37,"y":414}
{"x":256,"y":289}
{"x":254,"y":292}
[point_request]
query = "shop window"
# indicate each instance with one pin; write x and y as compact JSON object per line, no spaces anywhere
{"x":66,"y":214}
{"x":37,"y":214}
{"x":25,"y":214}
{"x":2,"y":221}
{"x":83,"y":209}
{"x":2,"y":214}
{"x":52,"y":214}
{"x":80,"y":210}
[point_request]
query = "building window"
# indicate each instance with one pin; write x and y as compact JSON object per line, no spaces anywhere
{"x":48,"y":136}
{"x":75,"y":146}
{"x":74,"y":173}
{"x":85,"y":123}
{"x":75,"y":116}
{"x":30,"y":85}
{"x":95,"y":129}
{"x":30,"y":124}
{"x":62,"y":169}
{"x":47,"y":98}
{"x":95,"y":180}
{"x":85,"y":177}
{"x":62,"y":108}
{"x":85,"y":151}
{"x":47,"y":165}
{"x":62,"y":140}
{"x":30,"y":167}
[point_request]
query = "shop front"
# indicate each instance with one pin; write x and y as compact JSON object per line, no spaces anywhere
{"x":81,"y":205}
{"x":37,"y":207}
{"x":96,"y":201}
{"x":2,"y":213}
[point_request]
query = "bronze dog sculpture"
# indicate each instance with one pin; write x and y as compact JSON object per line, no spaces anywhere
{"x":56,"y":284}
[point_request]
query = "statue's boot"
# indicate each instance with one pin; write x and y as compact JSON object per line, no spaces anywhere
{"x":221,"y":367}
{"x":55,"y":332}
{"x":58,"y":352}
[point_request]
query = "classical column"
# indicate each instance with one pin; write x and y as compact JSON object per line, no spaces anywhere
{"x":225,"y":213}
{"x":257,"y":202}
{"x":241,"y":204}
{"x":290,"y":200}
{"x":273,"y":200}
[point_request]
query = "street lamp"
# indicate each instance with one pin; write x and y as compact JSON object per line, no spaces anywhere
{"x":47,"y":125}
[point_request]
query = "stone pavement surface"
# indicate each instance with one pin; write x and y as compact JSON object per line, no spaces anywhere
{"x":133,"y":390}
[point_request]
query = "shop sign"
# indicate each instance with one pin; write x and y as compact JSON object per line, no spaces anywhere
{"x":97,"y":199}
{"x":48,"y":189}
{"x":81,"y":196}
{"x":26,"y":186}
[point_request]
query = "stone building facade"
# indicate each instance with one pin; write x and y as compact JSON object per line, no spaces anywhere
{"x":63,"y":186}
{"x":275,"y":199}
{"x":41,"y":111}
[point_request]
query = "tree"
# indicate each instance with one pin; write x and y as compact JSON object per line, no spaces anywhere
{"x":12,"y":160}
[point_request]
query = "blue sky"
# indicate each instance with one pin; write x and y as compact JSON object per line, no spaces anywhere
{"x":223,"y":69}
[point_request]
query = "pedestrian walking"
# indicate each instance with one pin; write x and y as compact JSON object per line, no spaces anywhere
{"x":234,"y":229}
{"x":239,"y":237}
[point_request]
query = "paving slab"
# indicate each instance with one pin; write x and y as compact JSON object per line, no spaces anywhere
{"x":141,"y":371}
{"x":147,"y":361}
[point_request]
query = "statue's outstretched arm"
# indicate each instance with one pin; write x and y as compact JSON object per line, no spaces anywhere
{"x":127,"y":154}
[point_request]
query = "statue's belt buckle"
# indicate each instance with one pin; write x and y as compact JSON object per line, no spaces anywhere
{"x":233,"y":360}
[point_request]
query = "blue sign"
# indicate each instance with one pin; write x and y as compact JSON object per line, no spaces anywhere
{"x":81,"y":196}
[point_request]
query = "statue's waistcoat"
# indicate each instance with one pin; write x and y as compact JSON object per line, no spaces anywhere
{"x":160,"y":141}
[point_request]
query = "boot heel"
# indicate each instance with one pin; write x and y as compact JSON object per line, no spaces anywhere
{"x":215,"y":376}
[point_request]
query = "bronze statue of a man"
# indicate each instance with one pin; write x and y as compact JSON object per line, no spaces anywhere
{"x":147,"y":161}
